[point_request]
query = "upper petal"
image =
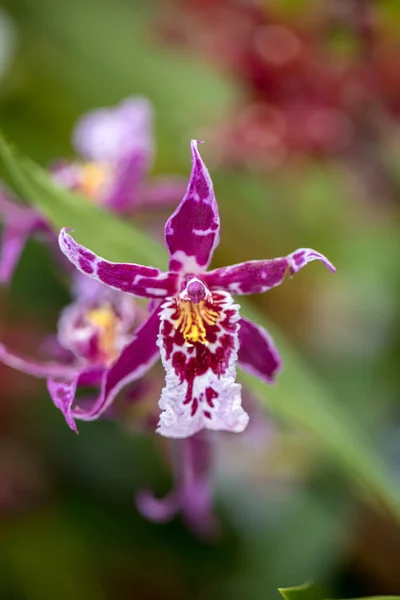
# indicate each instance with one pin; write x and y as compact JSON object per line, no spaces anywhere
{"x":146,"y":282}
{"x":192,"y":231}
{"x":134,"y":361}
{"x":200,"y":390}
{"x":258,"y":276}
{"x":110,"y":134}
{"x":257,"y":352}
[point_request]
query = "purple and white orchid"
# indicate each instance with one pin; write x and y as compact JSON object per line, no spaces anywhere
{"x":116,"y":151}
{"x":194,"y":323}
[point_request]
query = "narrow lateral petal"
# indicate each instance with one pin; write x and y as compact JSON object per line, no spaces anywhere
{"x":134,"y":361}
{"x":145,"y":282}
{"x":257,"y":352}
{"x":192,"y":231}
{"x":258,"y":276}
{"x":200,"y":391}
{"x":35,"y":368}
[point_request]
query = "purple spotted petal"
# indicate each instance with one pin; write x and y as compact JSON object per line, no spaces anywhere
{"x":257,"y":352}
{"x":192,"y":231}
{"x":301,"y":257}
{"x":36,"y":368}
{"x":258,"y":276}
{"x":200,"y":391}
{"x":145,"y":282}
{"x":111,"y":134}
{"x":134,"y":361}
{"x":192,"y":493}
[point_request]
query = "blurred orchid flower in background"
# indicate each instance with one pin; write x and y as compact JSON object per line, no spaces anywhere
{"x":92,"y":348}
{"x":116,"y":146}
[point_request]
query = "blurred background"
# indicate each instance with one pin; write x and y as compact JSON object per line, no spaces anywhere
{"x":299,"y":102}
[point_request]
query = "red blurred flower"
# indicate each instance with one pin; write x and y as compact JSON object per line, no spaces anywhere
{"x":301,"y":95}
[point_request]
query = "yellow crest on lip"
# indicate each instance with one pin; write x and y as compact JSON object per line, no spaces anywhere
{"x":106,"y":321}
{"x":192,"y":320}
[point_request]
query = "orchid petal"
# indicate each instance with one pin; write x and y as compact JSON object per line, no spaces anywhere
{"x":111,"y":134}
{"x":200,"y":390}
{"x":145,"y":282}
{"x":129,"y":175}
{"x":13,"y":242}
{"x":257,"y":352}
{"x":19,"y":223}
{"x":258,"y":276}
{"x":192,"y":492}
{"x":62,"y":392}
{"x":35,"y":368}
{"x":134,"y":361}
{"x":192,"y":231}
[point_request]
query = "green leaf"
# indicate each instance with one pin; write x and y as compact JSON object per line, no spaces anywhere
{"x":299,"y":397}
{"x":310,"y":592}
{"x":301,"y":592}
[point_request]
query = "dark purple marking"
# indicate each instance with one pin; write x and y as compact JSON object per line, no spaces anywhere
{"x":211,"y":394}
{"x":85,"y":266}
{"x":194,"y":407}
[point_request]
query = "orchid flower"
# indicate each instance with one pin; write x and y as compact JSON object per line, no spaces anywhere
{"x":92,"y":349}
{"x":116,"y":150}
{"x":195,"y":324}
